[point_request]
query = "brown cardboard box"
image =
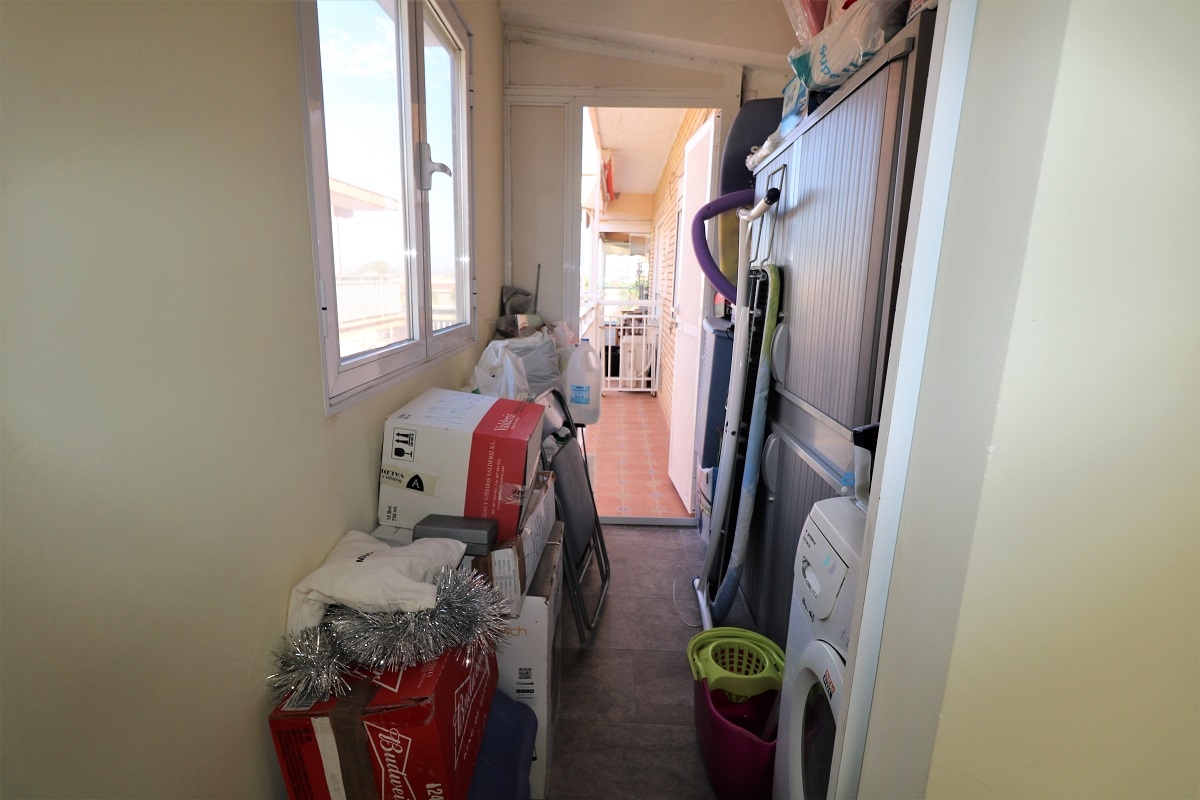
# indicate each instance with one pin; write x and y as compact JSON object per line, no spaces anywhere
{"x":510,"y":565}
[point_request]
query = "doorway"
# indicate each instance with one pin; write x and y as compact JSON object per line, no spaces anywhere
{"x":640,"y":299}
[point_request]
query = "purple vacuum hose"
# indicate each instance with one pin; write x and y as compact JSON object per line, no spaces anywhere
{"x":726,"y":202}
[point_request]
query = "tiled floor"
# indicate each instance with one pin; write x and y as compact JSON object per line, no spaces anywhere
{"x":629,"y":445}
{"x":625,"y":726}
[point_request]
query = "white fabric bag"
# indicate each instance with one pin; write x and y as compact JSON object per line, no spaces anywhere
{"x":366,"y":574}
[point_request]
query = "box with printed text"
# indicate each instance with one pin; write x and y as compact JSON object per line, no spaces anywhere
{"x":528,"y":656}
{"x":413,"y":733}
{"x":510,"y":565}
{"x":460,"y":454}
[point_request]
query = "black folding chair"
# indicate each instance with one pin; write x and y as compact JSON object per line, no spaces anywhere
{"x":583,"y":539}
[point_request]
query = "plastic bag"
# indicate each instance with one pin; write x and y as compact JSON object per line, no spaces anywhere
{"x":563,"y":335}
{"x":500,"y":373}
{"x":540,"y":359}
{"x":837,"y":52}
{"x":807,"y":17}
{"x":565,"y":340}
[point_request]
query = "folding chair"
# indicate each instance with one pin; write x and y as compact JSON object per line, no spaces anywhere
{"x":583,"y":539}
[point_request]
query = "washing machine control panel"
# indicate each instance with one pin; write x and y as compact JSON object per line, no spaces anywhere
{"x":819,"y":571}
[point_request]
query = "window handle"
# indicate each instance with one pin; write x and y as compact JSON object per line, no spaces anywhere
{"x":429,"y":166}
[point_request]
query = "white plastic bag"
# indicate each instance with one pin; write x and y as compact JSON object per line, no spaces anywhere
{"x":837,"y":52}
{"x":807,"y":17}
{"x":500,"y":373}
{"x":565,"y":340}
{"x":563,"y":335}
{"x":540,"y":358}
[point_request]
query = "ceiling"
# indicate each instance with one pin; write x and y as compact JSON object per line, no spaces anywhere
{"x":640,"y":140}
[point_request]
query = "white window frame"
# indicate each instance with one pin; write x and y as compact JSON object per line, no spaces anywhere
{"x":352,"y":379}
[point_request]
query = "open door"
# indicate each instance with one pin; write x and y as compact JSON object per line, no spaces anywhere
{"x":687,"y":311}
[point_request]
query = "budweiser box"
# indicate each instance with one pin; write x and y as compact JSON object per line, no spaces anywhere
{"x":467,"y":455}
{"x":407,"y":735}
{"x":528,"y":657}
{"x":511,"y":564}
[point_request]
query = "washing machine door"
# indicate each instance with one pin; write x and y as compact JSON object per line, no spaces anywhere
{"x":816,"y":700}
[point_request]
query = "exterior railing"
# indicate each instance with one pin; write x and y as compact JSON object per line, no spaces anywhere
{"x":628,"y":344}
{"x":369,"y":302}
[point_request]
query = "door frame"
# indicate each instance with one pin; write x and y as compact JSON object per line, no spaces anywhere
{"x":573,"y":99}
{"x":951,"y":51}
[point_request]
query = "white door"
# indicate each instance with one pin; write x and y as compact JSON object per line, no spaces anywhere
{"x":690,"y":287}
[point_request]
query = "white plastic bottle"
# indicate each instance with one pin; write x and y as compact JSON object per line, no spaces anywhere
{"x":583,"y":385}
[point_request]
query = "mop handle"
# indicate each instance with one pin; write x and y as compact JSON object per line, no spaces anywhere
{"x":737,"y":384}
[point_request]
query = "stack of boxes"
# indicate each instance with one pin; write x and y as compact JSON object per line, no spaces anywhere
{"x":529,"y":658}
{"x":468,"y":456}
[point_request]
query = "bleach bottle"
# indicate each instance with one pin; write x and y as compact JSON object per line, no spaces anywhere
{"x":583,"y":385}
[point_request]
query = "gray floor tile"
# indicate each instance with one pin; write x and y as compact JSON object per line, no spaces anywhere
{"x":664,"y":687}
{"x":693,"y":545}
{"x":597,"y":686}
{"x":627,"y":542}
{"x":574,"y":736}
{"x":629,"y":761}
{"x":626,"y":724}
{"x":618,"y":582}
{"x":637,"y":624}
{"x":662,"y":579}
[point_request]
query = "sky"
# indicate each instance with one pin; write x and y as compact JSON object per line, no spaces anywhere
{"x":362,"y":127}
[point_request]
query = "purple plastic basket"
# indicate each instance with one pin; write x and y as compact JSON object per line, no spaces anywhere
{"x":739,"y":761}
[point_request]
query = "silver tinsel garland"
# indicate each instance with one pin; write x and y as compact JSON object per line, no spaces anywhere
{"x":469,"y":613}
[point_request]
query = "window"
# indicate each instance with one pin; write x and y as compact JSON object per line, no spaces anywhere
{"x":387,"y":87}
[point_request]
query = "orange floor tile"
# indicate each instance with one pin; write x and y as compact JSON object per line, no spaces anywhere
{"x":629,"y":445}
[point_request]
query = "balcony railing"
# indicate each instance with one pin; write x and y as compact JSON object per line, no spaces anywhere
{"x":380,"y":303}
{"x":627,"y":333}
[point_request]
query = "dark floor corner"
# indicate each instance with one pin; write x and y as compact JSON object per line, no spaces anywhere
{"x":625,"y":726}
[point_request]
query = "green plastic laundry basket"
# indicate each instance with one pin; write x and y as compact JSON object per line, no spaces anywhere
{"x":739,"y":662}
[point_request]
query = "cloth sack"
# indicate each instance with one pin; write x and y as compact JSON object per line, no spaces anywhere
{"x":369,"y":575}
{"x":540,"y":358}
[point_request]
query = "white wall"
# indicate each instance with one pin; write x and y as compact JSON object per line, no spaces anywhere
{"x":754,"y":33}
{"x":550,"y":79}
{"x":1069,"y":517}
{"x":167,"y":470}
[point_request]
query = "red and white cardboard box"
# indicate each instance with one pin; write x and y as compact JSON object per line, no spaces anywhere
{"x":407,"y":735}
{"x":457,"y":453}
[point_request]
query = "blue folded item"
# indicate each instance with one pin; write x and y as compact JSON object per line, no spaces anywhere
{"x":506,"y":753}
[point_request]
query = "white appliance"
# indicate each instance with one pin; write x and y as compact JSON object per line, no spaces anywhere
{"x":819,"y":630}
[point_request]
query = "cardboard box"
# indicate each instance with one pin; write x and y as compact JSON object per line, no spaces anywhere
{"x":396,"y":537}
{"x":408,"y":734}
{"x":528,"y":658}
{"x":511,"y":564}
{"x":461,"y":454}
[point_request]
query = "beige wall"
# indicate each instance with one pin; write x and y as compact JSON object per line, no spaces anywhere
{"x":1058,"y":499}
{"x":544,"y":127}
{"x":754,"y":33}
{"x":167,"y":470}
{"x":629,"y":207}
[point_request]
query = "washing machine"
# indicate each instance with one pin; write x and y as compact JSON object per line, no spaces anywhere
{"x":820,"y":625}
